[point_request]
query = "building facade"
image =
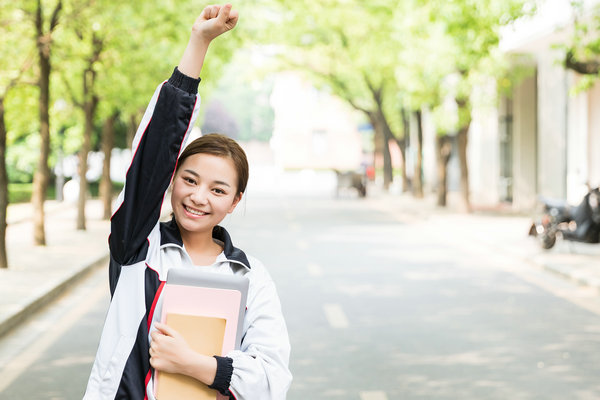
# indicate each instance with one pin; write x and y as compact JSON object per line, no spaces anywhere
{"x":544,"y":138}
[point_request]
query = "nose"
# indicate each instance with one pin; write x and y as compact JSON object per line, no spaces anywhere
{"x":199,"y":195}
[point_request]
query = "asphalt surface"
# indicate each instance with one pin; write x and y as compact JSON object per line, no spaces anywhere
{"x":385,"y":298}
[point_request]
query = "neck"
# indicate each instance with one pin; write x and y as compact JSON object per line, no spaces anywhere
{"x":201,"y":247}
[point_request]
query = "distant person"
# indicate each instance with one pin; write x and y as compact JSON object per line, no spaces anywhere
{"x":209,"y":179}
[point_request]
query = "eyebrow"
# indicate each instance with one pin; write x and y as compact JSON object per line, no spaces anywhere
{"x":189,"y":171}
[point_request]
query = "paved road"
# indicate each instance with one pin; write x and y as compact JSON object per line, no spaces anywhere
{"x":50,"y":356}
{"x":379,"y":306}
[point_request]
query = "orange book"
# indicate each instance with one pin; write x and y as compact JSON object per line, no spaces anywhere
{"x":205,"y":336}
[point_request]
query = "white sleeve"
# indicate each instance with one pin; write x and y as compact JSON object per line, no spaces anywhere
{"x":261,"y":366}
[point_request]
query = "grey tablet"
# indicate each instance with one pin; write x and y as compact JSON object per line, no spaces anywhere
{"x":197,"y":277}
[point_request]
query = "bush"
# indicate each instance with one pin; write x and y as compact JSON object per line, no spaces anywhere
{"x":21,"y":192}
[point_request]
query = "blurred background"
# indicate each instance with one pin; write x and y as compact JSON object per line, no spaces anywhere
{"x":490,"y":100}
{"x":439,"y":123}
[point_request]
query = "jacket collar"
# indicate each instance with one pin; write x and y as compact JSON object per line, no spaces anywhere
{"x":169,"y":234}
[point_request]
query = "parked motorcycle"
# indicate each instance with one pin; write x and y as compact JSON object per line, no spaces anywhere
{"x":351,"y":179}
{"x":579,"y":223}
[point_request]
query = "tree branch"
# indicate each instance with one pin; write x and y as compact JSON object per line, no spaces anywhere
{"x":376,"y":92}
{"x":24,"y":67}
{"x":38,"y":20}
{"x":584,"y":68}
{"x":347,"y":96}
{"x":55,"y":16}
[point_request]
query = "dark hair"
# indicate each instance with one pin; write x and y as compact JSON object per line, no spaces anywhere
{"x":222,"y":146}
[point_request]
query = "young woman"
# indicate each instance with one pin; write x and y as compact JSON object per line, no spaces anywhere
{"x":208,"y":180}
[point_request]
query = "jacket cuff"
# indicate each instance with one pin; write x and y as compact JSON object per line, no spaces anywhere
{"x":184,"y":82}
{"x":223,"y":376}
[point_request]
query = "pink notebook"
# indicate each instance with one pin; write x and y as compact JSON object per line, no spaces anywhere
{"x":208,"y":310}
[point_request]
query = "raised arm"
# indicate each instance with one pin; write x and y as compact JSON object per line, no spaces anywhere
{"x":212,"y":22}
{"x":161,"y":135}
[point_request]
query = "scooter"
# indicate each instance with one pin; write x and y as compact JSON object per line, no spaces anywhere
{"x":579,"y":223}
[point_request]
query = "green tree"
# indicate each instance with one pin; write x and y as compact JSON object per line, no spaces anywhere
{"x":15,"y":61}
{"x":582,"y":51}
{"x":87,"y":45}
{"x":348,"y":47}
{"x":421,"y":73}
{"x":120,"y":55}
{"x":473,"y":29}
{"x":45,"y":19}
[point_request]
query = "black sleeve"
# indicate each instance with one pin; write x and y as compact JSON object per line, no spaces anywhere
{"x":154,"y":159}
{"x":223,"y":376}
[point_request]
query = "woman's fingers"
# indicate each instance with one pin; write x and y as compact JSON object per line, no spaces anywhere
{"x":223,"y":13}
{"x":211,"y":12}
{"x":165,"y":329}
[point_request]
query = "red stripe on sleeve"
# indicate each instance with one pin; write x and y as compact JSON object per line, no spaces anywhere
{"x":156,"y":296}
{"x":147,"y":381}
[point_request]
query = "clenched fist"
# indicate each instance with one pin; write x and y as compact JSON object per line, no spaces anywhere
{"x":214,"y":21}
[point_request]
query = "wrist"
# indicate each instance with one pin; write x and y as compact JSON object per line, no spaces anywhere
{"x":201,"y":367}
{"x":198,"y":40}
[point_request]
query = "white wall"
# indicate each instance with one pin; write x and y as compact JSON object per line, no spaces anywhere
{"x":525,"y":145}
{"x":577,"y":141}
{"x":483,"y":148}
{"x":552,"y":126}
{"x":593,"y":149}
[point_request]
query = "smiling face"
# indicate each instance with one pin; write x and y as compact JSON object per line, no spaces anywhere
{"x":204,"y":192}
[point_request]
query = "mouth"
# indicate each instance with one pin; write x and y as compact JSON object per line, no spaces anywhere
{"x":194,"y":212}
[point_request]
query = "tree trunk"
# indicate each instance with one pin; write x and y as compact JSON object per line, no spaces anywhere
{"x":83,"y":166}
{"x":108,"y":139}
{"x":89,"y":112}
{"x":378,"y":126}
{"x":403,"y":144}
{"x":462,"y":141}
{"x":418,"y":176}
{"x":42,"y":173}
{"x":90,"y":103}
{"x":444,"y":150}
{"x":132,"y":129}
{"x":382,"y":124}
{"x":3,"y":189}
{"x":388,"y":170}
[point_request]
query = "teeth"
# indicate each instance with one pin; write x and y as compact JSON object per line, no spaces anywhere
{"x":192,"y":211}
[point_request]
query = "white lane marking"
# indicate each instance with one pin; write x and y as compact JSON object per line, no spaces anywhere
{"x":335,"y":316}
{"x":314,"y":269}
{"x":373,"y":395}
{"x":19,"y":364}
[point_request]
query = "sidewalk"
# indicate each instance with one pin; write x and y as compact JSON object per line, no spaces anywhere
{"x":39,"y":274}
{"x":501,"y":232}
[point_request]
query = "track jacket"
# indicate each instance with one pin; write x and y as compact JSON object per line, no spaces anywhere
{"x":143,"y":249}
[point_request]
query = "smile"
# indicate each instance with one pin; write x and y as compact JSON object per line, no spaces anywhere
{"x":194,"y":212}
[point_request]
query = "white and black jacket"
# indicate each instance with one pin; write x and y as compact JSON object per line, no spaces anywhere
{"x":143,"y":249}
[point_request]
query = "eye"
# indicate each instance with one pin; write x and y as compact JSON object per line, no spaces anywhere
{"x":219,"y":191}
{"x":189,"y":180}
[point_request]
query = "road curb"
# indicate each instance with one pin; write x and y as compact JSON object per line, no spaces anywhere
{"x":578,"y":279}
{"x":51,"y":294}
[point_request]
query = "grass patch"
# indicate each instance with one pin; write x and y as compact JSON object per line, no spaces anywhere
{"x":21,"y":192}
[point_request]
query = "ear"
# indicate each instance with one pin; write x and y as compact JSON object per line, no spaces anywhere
{"x":236,"y":200}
